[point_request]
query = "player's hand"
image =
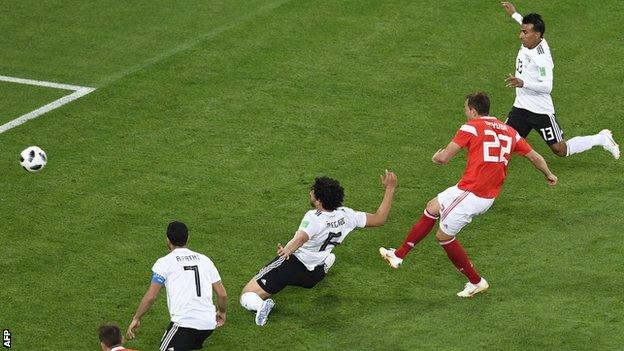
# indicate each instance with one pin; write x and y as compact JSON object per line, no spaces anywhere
{"x":281,"y":252}
{"x":134,"y":325}
{"x":513,"y":82}
{"x":434,"y":158}
{"x":220,"y":319}
{"x":552,"y":179}
{"x":388,"y":179}
{"x":509,"y":7}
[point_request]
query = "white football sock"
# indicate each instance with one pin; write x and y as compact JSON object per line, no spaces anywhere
{"x":251,"y":301}
{"x":583,"y":143}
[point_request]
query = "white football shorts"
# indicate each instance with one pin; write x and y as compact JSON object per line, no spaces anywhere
{"x":457,"y":207}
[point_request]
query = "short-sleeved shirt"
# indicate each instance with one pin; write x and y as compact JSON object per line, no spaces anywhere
{"x":490,"y":144}
{"x":534,"y":66}
{"x":188,"y":277}
{"x":326,"y":230}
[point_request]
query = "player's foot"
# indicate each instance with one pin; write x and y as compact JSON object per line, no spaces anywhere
{"x":263,"y":313}
{"x":329,"y":262}
{"x":471,"y":289}
{"x":390,"y":257}
{"x":609,"y":144}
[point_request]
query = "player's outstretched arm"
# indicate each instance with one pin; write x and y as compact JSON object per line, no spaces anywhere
{"x":444,"y":156}
{"x":539,"y":163}
{"x":389,"y":181}
{"x":299,"y":239}
{"x":144,"y":306}
{"x":219,"y":290}
{"x":511,"y":11}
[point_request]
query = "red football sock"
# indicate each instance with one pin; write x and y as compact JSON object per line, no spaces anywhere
{"x":458,"y":256}
{"x":420,"y":230}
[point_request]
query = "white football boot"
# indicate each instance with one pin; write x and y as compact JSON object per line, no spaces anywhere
{"x":262,"y":315}
{"x":390,"y":257}
{"x":609,"y":144}
{"x":471,"y":289}
{"x":329,"y":262}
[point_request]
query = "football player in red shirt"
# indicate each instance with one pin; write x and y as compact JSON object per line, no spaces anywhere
{"x":490,"y":144}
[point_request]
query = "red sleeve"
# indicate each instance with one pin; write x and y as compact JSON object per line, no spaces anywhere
{"x":522,"y":147}
{"x":462,"y":138}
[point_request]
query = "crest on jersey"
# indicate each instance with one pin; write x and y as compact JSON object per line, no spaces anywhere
{"x":542,"y":71}
{"x":527,"y":58}
{"x":304,"y":224}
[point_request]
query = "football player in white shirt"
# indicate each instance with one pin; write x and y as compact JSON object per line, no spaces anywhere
{"x":533,"y":81}
{"x":189,"y":278}
{"x":307,"y":257}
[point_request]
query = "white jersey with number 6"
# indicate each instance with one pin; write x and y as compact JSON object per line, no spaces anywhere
{"x":326,"y":230}
{"x":188,"y":277}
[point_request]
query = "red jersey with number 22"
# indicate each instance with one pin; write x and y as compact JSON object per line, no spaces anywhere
{"x":490,"y":143}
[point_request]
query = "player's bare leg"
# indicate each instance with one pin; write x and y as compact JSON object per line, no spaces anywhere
{"x":560,"y":149}
{"x":419,"y":231}
{"x":254,"y":298}
{"x":456,"y":253}
{"x":254,"y":287}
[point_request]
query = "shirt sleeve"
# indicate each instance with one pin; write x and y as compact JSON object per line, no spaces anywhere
{"x":544,"y":79}
{"x":542,"y":86}
{"x":464,"y":135}
{"x":356,"y":217}
{"x":310,"y":224}
{"x":522,"y":147}
{"x":159,"y":273}
{"x":213,"y":273}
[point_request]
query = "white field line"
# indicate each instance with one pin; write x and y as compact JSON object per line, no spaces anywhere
{"x":40,"y":83}
{"x":78,"y":92}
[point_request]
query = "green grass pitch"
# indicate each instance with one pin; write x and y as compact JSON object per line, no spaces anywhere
{"x":220,"y":113}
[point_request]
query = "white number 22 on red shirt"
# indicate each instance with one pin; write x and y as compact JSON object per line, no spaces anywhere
{"x":498,"y":149}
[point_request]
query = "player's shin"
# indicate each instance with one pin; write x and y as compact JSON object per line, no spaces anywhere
{"x":419,"y":231}
{"x":580,"y":144}
{"x":251,"y":301}
{"x":456,"y":253}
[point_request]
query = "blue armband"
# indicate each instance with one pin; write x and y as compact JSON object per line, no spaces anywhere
{"x":158,"y":279}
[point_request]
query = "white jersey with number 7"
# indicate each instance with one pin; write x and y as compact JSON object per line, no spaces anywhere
{"x":188,"y":277}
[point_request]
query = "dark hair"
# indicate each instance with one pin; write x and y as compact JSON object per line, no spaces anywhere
{"x":480,"y":102}
{"x":329,"y":192}
{"x":537,"y":22}
{"x":110,"y":335}
{"x":177,"y":233}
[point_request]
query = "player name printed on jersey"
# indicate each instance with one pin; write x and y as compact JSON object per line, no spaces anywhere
{"x":187,"y":258}
{"x":336,"y":224}
{"x":325,"y":230}
{"x":496,"y":125}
